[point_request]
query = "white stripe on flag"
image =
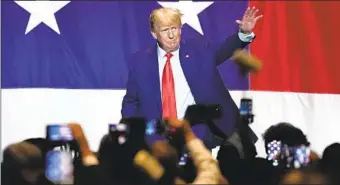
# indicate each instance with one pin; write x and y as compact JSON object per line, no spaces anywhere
{"x":25,"y":112}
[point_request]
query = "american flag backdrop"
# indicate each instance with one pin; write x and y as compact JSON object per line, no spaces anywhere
{"x":64,"y":61}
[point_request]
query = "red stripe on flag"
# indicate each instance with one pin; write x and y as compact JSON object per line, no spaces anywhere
{"x":298,"y":42}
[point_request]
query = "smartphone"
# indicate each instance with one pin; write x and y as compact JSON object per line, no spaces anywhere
{"x":119,"y":132}
{"x":59,"y":167}
{"x":200,"y":113}
{"x":183,"y":160}
{"x":151,"y":127}
{"x":59,"y":160}
{"x":59,"y":133}
{"x":246,"y":107}
{"x":299,"y":156}
{"x":288,"y":156}
{"x":274,"y":152}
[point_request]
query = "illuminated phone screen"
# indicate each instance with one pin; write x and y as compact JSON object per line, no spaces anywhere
{"x":59,"y":167}
{"x":59,"y":133}
{"x":151,"y":127}
{"x":246,"y":107}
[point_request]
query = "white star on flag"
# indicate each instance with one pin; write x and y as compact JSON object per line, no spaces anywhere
{"x":42,"y":12}
{"x":190,"y":11}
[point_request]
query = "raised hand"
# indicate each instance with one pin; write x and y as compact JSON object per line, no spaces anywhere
{"x":249,"y":19}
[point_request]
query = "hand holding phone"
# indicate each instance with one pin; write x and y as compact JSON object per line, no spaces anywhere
{"x":59,"y":160}
{"x":161,"y":127}
{"x":183,"y":160}
{"x":119,"y":132}
{"x":300,"y":156}
{"x":288,"y":156}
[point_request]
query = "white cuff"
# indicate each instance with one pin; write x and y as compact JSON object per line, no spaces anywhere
{"x":246,"y":37}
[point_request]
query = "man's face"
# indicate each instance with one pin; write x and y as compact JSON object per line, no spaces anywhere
{"x":168,"y":35}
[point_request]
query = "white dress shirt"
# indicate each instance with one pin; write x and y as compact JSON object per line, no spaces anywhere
{"x":183,"y":94}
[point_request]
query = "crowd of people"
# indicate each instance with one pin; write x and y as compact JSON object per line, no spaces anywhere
{"x":134,"y":161}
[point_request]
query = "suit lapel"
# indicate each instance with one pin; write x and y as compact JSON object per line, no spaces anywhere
{"x":153,"y":76}
{"x":189,"y":68}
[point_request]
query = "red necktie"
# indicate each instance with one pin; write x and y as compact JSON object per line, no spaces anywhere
{"x":168,"y":91}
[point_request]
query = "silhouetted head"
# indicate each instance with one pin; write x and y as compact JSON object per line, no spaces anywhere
{"x":331,"y":157}
{"x":23,"y":160}
{"x":286,"y":133}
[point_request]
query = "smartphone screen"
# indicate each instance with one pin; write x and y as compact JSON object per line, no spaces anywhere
{"x":151,"y":127}
{"x":246,"y":107}
{"x":60,"y":133}
{"x":300,"y":156}
{"x":59,"y":167}
{"x":289,"y":156}
{"x":183,"y":160}
{"x":274,"y":151}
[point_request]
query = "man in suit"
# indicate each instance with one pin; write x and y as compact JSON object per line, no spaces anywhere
{"x":166,"y":78}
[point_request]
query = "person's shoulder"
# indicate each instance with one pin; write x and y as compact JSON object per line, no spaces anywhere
{"x":144,"y":52}
{"x":197,"y":42}
{"x":140,"y":56}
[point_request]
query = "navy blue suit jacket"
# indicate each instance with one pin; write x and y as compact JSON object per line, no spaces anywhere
{"x":199,"y":60}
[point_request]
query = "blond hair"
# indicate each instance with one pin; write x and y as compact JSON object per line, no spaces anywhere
{"x":165,"y":15}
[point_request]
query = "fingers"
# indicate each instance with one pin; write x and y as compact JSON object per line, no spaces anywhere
{"x":254,"y":12}
{"x":239,"y":22}
{"x":175,"y":123}
{"x":258,"y":17}
{"x":75,"y":127}
{"x":77,"y":131}
{"x":246,"y":14}
{"x":251,"y":12}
